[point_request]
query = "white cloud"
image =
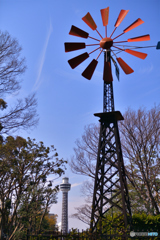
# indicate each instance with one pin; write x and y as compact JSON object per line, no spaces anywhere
{"x":146,"y":70}
{"x":76,"y":184}
{"x":42,"y":59}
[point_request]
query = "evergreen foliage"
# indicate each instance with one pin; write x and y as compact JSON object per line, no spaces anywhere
{"x":25,"y":191}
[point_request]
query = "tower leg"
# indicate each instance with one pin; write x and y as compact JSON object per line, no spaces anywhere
{"x":110,"y":189}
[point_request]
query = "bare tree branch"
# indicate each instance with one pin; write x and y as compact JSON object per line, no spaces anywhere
{"x":22,"y":115}
{"x":11,"y":66}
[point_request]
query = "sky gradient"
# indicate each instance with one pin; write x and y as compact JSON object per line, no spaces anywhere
{"x":66,"y":100}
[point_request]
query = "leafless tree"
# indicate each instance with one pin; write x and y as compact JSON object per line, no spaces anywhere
{"x":22,"y":115}
{"x":12,"y":66}
{"x":83,"y":212}
{"x":84,"y":160}
{"x":140,"y":139}
{"x":84,"y":163}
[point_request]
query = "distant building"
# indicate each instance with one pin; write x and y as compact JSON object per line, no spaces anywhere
{"x":65,"y":186}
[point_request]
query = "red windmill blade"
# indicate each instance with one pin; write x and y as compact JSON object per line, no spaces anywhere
{"x":78,"y":32}
{"x":75,"y":31}
{"x":74,"y":62}
{"x":107,"y":73}
{"x":90,"y":22}
{"x":126,"y":68}
{"x":135,"y":24}
{"x":140,"y":38}
{"x":105,"y":44}
{"x":120,"y":18}
{"x":74,"y":46}
{"x":88,"y":72}
{"x":134,"y":53}
{"x":105,"y":17}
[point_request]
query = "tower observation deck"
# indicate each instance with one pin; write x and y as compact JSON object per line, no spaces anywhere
{"x":65,"y":187}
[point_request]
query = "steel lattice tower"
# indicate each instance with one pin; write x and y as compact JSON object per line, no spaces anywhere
{"x":65,"y":186}
{"x":110,"y":187}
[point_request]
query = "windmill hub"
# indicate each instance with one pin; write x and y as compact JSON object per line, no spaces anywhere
{"x":106,"y":43}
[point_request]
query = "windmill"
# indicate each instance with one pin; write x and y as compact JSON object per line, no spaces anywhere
{"x":110,"y":187}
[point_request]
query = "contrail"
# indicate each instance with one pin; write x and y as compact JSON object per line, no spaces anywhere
{"x":37,"y":83}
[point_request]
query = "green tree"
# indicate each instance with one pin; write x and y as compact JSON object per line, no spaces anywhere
{"x":141,"y":223}
{"x":25,"y":192}
{"x":52,"y":222}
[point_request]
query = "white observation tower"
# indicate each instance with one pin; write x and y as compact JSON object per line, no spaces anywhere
{"x":65,"y":186}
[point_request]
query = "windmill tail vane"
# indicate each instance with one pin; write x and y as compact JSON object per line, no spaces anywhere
{"x":107,"y":43}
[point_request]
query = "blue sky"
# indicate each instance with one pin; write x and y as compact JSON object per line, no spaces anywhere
{"x":66,"y":100}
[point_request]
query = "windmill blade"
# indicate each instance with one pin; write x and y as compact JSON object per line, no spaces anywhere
{"x":140,"y":38}
{"x":74,"y":62}
{"x":133,"y":25}
{"x":121,"y":16}
{"x":129,"y":28}
{"x":88,"y":72}
{"x":105,"y":16}
{"x":72,"y":46}
{"x":125,"y":67}
{"x":78,"y":32}
{"x":89,"y":21}
{"x":136,"y":53}
{"x":107,"y":73}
